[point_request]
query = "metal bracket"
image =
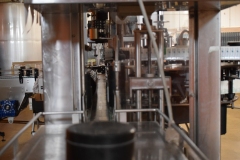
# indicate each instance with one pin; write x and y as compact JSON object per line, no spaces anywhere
{"x":147,"y":83}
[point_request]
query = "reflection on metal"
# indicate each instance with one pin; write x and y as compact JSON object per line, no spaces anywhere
{"x":20,"y":37}
{"x":60,"y":44}
{"x":11,"y":88}
{"x":149,"y":141}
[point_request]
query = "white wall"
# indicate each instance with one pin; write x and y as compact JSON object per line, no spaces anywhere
{"x":230,"y":17}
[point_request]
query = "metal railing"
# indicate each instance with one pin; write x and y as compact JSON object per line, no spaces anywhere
{"x":15,"y":138}
{"x":185,"y":137}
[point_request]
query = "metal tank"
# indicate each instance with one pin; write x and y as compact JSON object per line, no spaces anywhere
{"x":20,"y":35}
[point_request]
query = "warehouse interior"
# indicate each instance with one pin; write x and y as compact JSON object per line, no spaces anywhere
{"x":134,"y":79}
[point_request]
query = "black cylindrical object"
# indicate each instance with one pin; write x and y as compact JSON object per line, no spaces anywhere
{"x":223,"y":119}
{"x":100,"y":141}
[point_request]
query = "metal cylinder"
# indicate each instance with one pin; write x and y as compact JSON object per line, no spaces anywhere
{"x":93,"y":33}
{"x":160,"y":43}
{"x":138,"y":72}
{"x":20,"y":36}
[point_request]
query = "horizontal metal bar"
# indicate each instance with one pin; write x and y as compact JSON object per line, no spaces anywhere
{"x":70,"y":112}
{"x":135,"y":110}
{"x":103,"y":1}
{"x":15,"y":121}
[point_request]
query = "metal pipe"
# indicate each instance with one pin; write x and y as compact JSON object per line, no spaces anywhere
{"x":117,"y":69}
{"x":185,"y":137}
{"x":160,"y":42}
{"x":190,"y":142}
{"x":149,"y":72}
{"x":81,"y":16}
{"x":139,"y":104}
{"x":149,"y":54}
{"x":150,"y":102}
{"x":137,"y":38}
{"x":169,"y":106}
{"x":19,"y":133}
{"x":161,"y":107}
{"x":136,"y":110}
{"x":70,"y":112}
{"x":73,"y":66}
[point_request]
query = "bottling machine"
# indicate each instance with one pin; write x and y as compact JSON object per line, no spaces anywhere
{"x":102,"y":61}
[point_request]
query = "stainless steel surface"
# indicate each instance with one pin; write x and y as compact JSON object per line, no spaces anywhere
{"x":59,"y":62}
{"x":76,"y":26}
{"x":14,"y":140}
{"x":205,"y":77}
{"x":20,"y":35}
{"x":59,"y":46}
{"x":193,"y":28}
{"x":150,"y":143}
{"x":117,"y":69}
{"x":136,"y":110}
{"x":139,"y":104}
{"x":161,"y":107}
{"x":11,"y":88}
{"x":83,"y":35}
{"x":49,"y":143}
{"x":72,"y":112}
{"x":160,"y":43}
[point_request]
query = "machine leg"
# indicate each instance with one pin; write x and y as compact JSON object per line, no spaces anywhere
{"x":2,"y":134}
{"x":33,"y":126}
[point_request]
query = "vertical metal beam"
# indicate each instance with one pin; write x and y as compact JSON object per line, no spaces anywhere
{"x":205,"y":77}
{"x":76,"y":75}
{"x":82,"y":57}
{"x":137,"y":38}
{"x":193,"y":53}
{"x":160,"y":43}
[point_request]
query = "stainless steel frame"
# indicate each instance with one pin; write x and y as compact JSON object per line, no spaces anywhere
{"x":204,"y":65}
{"x":146,"y":132}
{"x":205,"y":77}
